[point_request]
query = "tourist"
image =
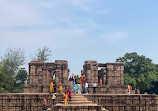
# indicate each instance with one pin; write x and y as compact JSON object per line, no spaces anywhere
{"x":138,"y":91}
{"x":129,"y":89}
{"x":53,"y":98}
{"x":83,"y":83}
{"x":74,"y":88}
{"x":51,"y":87}
{"x":94,"y":87}
{"x":61,"y":88}
{"x":69,"y":95}
{"x":75,"y":79}
{"x":101,"y":82}
{"x":86,"y":86}
{"x":79,"y":89}
{"x":44,"y":104}
{"x":72,"y":77}
{"x":65,"y":98}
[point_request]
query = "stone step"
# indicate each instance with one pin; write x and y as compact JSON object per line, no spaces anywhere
{"x":78,"y":102}
{"x":79,"y":96}
{"x":78,"y":99}
{"x":92,"y":104}
{"x":103,"y":109}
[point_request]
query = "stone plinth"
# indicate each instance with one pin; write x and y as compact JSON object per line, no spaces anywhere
{"x":125,"y":102}
{"x":76,"y":108}
{"x":117,"y":89}
{"x":111,"y":102}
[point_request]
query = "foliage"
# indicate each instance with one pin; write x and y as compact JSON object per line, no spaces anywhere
{"x":12,"y":59}
{"x":140,"y":72}
{"x":78,"y":80}
{"x":10,"y":63}
{"x":20,"y":80}
{"x":43,"y":54}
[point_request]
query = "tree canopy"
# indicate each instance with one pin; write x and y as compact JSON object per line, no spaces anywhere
{"x":9,"y":66}
{"x":43,"y":54}
{"x":140,"y":72}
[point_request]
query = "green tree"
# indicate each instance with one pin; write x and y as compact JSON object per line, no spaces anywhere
{"x":140,"y":72}
{"x":78,"y":80}
{"x":43,"y":54}
{"x":10,"y":63}
{"x":1,"y":80}
{"x":20,"y":79}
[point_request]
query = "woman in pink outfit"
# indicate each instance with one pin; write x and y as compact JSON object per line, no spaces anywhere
{"x":44,"y":104}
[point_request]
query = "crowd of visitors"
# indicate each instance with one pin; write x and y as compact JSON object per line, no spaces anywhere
{"x":80,"y":85}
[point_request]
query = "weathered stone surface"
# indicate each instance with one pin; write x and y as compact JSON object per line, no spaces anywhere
{"x":111,"y":102}
{"x":125,"y":102}
{"x":110,"y":73}
{"x":112,"y":95}
{"x":41,"y":74}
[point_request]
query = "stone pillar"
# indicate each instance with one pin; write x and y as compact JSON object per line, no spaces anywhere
{"x":115,"y":73}
{"x":91,"y":71}
{"x":62,"y":71}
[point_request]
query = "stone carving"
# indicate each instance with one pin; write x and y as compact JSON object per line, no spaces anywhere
{"x":110,"y":73}
{"x":42,"y":73}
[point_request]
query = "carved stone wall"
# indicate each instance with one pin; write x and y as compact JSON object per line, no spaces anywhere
{"x":26,"y":102}
{"x":41,"y":74}
{"x":114,"y":73}
{"x":91,"y":71}
{"x":111,"y":102}
{"x":122,"y":102}
{"x":110,"y":73}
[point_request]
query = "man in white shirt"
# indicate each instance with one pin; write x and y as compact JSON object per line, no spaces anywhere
{"x":86,"y":86}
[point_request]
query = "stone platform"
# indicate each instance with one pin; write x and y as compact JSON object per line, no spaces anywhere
{"x":111,"y":102}
{"x":78,"y":103}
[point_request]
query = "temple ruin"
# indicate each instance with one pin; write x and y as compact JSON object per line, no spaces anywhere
{"x":41,"y":74}
{"x":111,"y":75}
{"x":111,"y":95}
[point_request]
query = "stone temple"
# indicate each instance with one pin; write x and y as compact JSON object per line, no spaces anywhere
{"x":41,"y":74}
{"x":111,"y":96}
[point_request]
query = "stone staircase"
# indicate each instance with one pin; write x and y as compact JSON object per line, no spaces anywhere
{"x":78,"y":99}
{"x":78,"y":103}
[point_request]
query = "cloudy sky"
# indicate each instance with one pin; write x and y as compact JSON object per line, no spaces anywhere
{"x":79,"y":30}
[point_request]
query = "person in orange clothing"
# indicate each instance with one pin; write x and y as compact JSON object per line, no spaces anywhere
{"x":51,"y":87}
{"x":101,"y":82}
{"x":65,"y":98}
{"x":138,"y":91}
{"x":61,"y":88}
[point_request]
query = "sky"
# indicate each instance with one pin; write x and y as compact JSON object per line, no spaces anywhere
{"x":80,"y":30}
